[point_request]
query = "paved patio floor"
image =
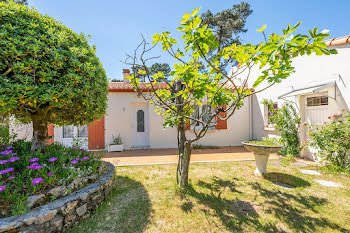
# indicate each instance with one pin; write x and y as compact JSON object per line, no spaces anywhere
{"x":168,"y":156}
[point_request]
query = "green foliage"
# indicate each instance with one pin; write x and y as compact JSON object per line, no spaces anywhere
{"x":24,"y":2}
{"x":117,"y":140}
{"x":46,"y":69}
{"x":333,"y":141}
{"x":287,"y":122}
{"x":265,"y":142}
{"x":18,"y":183}
{"x":164,"y":68}
{"x":229,"y":23}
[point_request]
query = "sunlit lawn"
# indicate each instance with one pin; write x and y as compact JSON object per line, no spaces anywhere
{"x":224,"y":197}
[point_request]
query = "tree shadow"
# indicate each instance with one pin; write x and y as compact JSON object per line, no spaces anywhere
{"x":127,"y":209}
{"x":296,"y":211}
{"x":235,"y":214}
{"x":288,"y":180}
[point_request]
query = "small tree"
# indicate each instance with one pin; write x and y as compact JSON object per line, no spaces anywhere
{"x":48,"y":73}
{"x":213,"y":91}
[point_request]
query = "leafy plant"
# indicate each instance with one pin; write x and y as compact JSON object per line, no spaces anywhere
{"x":287,"y":121}
{"x":333,"y":141}
{"x":24,"y":173}
{"x":48,"y":73}
{"x":198,"y":78}
{"x":117,"y":140}
{"x":265,"y":142}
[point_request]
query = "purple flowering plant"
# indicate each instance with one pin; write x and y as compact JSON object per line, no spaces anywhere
{"x":24,"y":173}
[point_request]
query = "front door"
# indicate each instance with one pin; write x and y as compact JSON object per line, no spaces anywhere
{"x":75,"y":136}
{"x":140,"y":126}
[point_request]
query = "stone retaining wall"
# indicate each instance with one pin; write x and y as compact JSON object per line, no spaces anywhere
{"x":60,"y":215}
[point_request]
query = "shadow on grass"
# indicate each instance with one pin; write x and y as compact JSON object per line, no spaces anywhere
{"x":234,"y":214}
{"x":286,"y":179}
{"x":127,"y":209}
{"x":296,"y":211}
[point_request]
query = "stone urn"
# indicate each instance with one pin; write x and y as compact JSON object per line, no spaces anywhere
{"x":261,"y":154}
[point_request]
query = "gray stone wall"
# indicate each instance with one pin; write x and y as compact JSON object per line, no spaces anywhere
{"x":60,"y":215}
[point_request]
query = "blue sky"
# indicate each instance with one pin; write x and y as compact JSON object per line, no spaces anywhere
{"x":116,"y":26}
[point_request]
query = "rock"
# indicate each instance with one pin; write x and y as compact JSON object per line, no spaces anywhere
{"x":328,"y":183}
{"x":75,"y":183}
{"x":9,"y":226}
{"x":58,"y":191}
{"x":81,"y":210}
{"x":46,"y":216}
{"x":84,"y":197}
{"x":69,"y":207}
{"x":310,"y":172}
{"x":35,"y":200}
{"x":57,"y":222}
{"x":69,"y":219}
{"x":92,"y":177}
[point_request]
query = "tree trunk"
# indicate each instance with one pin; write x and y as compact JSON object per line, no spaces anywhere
{"x":185,"y":165}
{"x":40,"y":133}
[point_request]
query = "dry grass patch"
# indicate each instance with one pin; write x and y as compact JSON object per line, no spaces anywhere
{"x":223,"y":197}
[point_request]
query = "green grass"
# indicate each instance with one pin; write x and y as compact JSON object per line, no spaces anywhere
{"x":223,"y":197}
{"x":263,"y":143}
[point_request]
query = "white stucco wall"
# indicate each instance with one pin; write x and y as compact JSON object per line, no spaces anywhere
{"x":309,"y":70}
{"x":120,"y":115}
{"x":22,"y":131}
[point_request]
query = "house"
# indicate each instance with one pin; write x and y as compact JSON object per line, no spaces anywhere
{"x":320,"y":87}
{"x":139,"y":126}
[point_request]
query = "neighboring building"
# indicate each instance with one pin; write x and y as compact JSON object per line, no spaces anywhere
{"x":320,"y":87}
{"x":139,"y":126}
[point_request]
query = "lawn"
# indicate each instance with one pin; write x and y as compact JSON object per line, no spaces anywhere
{"x":224,"y":197}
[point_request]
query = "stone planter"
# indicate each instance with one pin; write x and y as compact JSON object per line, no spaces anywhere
{"x":61,"y":214}
{"x":113,"y":147}
{"x":261,"y":154}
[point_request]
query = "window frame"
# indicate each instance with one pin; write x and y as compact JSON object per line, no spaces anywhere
{"x":142,"y":130}
{"x":320,"y":98}
{"x":197,"y":114}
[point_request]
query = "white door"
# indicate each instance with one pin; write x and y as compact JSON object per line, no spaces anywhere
{"x":75,"y":136}
{"x":140,"y":126}
{"x":317,"y":115}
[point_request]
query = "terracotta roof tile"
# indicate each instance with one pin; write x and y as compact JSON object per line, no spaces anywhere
{"x":338,"y":41}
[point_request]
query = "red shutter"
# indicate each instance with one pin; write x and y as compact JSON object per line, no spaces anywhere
{"x":221,"y":124}
{"x":96,"y":132}
{"x":187,"y":125}
{"x":50,"y":133}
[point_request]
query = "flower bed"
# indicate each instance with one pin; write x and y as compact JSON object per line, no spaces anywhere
{"x":31,"y":179}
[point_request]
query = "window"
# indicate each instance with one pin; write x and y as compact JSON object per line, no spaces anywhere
{"x":82,"y":131}
{"x":140,"y":121}
{"x":68,"y":131}
{"x":317,"y":101}
{"x":204,"y":113}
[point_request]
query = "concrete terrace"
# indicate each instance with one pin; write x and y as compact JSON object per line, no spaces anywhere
{"x":169,"y":156}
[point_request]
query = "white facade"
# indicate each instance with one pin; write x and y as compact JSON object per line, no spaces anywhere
{"x":121,"y":119}
{"x":327,"y":76}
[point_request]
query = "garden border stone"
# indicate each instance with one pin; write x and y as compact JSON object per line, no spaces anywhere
{"x":61,"y":214}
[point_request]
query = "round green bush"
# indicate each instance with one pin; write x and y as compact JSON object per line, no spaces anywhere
{"x":48,"y":73}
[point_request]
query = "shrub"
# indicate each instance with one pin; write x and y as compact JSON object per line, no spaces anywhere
{"x":287,"y":122}
{"x":333,"y":141}
{"x":48,"y":73}
{"x":24,"y":173}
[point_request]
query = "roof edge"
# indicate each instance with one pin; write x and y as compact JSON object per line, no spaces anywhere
{"x":338,"y":41}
